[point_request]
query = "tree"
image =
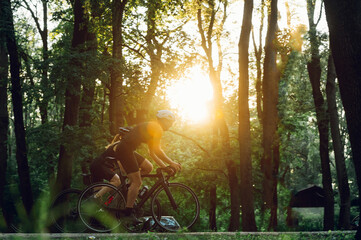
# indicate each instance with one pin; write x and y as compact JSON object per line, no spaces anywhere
{"x":220,"y":125}
{"x":17,"y":101}
{"x":4,"y":115}
{"x":244,"y":132}
{"x":271,"y":158}
{"x":344,"y":23}
{"x":342,"y":178}
{"x":314,"y":72}
{"x":116,"y":76}
{"x":157,"y":40}
{"x":72,"y":96}
{"x":258,"y":54}
{"x":43,"y":100}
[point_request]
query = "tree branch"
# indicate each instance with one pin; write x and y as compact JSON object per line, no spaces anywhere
{"x":33,"y":16}
{"x":213,"y":170}
{"x":200,"y":28}
{"x":194,"y":141}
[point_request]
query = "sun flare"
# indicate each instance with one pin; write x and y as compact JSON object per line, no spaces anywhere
{"x":191,"y":96}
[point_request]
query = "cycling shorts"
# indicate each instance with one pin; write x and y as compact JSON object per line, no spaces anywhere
{"x":102,"y":168}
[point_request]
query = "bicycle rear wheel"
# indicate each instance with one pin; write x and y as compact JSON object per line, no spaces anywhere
{"x":101,"y":214}
{"x":179,"y":207}
{"x":64,"y":212}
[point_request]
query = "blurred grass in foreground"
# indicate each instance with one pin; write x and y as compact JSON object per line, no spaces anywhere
{"x":190,"y":236}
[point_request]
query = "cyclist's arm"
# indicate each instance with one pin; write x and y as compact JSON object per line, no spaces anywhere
{"x":155,"y":151}
{"x":157,"y":154}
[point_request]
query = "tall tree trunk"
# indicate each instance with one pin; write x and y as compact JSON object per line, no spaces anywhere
{"x":116,"y":77}
{"x":88,"y":93}
{"x":244,"y":128}
{"x":72,"y":97}
{"x":219,"y":119}
{"x":314,"y":72}
{"x":344,"y":25}
{"x":21,"y":151}
{"x":270,"y":159}
{"x":4,"y":116}
{"x":154,"y":50}
{"x":44,"y":80}
{"x":258,"y":54}
{"x":342,"y":178}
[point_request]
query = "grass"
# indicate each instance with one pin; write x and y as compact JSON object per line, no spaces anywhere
{"x":336,"y":235}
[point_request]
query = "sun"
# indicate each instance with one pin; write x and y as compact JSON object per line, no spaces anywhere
{"x":191,"y":96}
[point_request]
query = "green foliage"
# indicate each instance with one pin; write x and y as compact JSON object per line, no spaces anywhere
{"x":174,"y":36}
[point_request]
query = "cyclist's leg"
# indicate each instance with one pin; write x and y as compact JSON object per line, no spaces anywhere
{"x":103,"y":170}
{"x":144,"y":164}
{"x":115,"y":181}
{"x":135,"y":183}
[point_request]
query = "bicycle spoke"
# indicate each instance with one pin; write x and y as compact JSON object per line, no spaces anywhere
{"x":64,"y":212}
{"x":100,"y":214}
{"x":187,"y":207}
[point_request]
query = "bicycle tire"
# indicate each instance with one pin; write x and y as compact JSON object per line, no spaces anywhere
{"x":64,"y":212}
{"x":184,"y":215}
{"x":101,"y":214}
{"x":145,"y":215}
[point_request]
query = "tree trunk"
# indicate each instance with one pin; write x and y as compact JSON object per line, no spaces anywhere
{"x":72,"y":97}
{"x":45,"y":68}
{"x":314,"y":72}
{"x":218,"y":114}
{"x":43,"y":101}
{"x":116,"y":77}
{"x":154,"y":50}
{"x":342,"y":178}
{"x":21,"y":151}
{"x":344,"y":24}
{"x":4,"y":116}
{"x":269,"y":163}
{"x":244,"y":130}
{"x":212,"y":208}
{"x":258,"y":55}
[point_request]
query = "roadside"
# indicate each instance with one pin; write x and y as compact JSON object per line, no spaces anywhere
{"x":188,"y":236}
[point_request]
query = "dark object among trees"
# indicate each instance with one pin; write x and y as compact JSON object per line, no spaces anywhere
{"x":308,"y":198}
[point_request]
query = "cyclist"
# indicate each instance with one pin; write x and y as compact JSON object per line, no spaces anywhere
{"x":123,"y":153}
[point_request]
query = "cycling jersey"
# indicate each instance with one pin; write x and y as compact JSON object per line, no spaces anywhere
{"x":124,"y":151}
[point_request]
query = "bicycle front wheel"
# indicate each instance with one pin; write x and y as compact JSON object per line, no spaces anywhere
{"x":64,"y":213}
{"x":101,"y":214}
{"x":179,"y":207}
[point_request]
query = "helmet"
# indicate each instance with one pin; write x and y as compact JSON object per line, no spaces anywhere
{"x":166,"y":114}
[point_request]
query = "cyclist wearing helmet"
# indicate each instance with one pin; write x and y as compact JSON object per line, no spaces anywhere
{"x":149,"y":133}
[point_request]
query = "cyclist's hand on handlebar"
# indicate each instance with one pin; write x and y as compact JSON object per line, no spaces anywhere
{"x":176,"y":166}
{"x":171,"y":171}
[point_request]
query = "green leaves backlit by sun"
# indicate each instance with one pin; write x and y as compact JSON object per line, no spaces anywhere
{"x":191,"y":96}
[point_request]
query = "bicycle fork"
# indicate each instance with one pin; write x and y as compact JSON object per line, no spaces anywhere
{"x":170,"y":197}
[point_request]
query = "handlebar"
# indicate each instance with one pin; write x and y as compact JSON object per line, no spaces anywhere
{"x":171,"y":171}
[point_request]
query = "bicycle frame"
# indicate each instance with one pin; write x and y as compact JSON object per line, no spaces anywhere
{"x":162,"y":182}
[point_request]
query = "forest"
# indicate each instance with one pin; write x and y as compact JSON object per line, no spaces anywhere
{"x":266,"y":93}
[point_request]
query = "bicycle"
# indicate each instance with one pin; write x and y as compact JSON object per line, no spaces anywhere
{"x":173,"y":206}
{"x":64,"y":214}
